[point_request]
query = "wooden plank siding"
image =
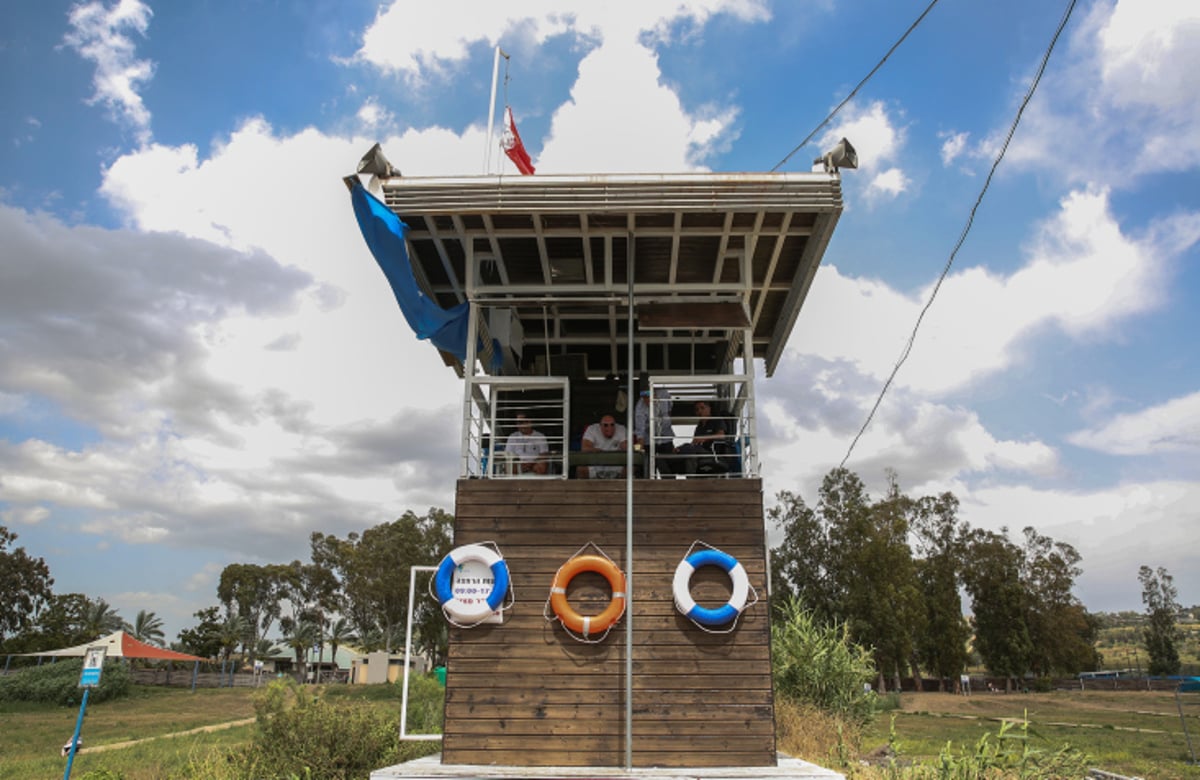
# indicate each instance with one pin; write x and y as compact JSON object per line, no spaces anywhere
{"x":524,"y":693}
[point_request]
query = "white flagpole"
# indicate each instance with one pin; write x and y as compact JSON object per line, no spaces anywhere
{"x":487,"y":155}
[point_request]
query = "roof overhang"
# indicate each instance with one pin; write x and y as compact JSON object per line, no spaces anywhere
{"x":554,"y":250}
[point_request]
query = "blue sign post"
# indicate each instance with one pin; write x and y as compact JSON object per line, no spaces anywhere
{"x":93,"y":665}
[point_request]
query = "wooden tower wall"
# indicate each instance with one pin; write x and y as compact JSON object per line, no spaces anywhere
{"x":526,"y":694}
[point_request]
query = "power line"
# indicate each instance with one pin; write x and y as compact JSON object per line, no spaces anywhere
{"x":966,"y":228}
{"x":854,"y":92}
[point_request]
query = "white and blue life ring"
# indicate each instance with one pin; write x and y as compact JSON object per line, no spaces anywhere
{"x":704,"y":616}
{"x":471,"y":610}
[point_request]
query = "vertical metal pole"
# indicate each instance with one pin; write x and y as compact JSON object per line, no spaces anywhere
{"x":195,"y":674}
{"x":469,"y":368}
{"x":487,"y":155}
{"x":629,"y":410}
{"x":75,"y":736}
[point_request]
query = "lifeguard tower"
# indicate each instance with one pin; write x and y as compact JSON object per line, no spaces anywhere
{"x":566,"y":297}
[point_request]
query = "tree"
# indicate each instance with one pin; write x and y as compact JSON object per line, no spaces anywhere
{"x":254,"y":592}
{"x":1061,"y":632}
{"x":799,"y":566}
{"x":942,"y":646}
{"x":147,"y":627}
{"x":340,"y":633}
{"x":203,"y":639}
{"x":233,"y":631}
{"x":992,"y":577}
{"x":374,"y":572}
{"x":1161,"y":635}
{"x":299,"y":636}
{"x":24,"y":586}
{"x":100,"y":619}
{"x":849,"y":561}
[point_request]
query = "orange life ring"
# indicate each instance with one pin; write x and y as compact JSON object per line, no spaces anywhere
{"x":581,"y":624}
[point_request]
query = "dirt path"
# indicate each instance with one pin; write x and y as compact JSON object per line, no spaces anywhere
{"x":1020,"y":721}
{"x":199,"y":730}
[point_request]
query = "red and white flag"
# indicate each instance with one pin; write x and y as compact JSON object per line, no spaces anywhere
{"x":510,"y":141}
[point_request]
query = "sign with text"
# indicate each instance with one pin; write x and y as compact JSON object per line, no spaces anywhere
{"x":474,"y":581}
{"x":93,"y":665}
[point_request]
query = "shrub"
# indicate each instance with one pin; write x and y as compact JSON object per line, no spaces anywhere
{"x":1004,"y":754}
{"x":58,"y":683}
{"x":817,"y":663}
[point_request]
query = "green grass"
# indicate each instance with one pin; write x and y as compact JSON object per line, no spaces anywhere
{"x":34,"y":734}
{"x":31,"y":735}
{"x":1099,"y":724}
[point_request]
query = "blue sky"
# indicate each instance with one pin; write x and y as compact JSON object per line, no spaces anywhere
{"x":200,"y":363}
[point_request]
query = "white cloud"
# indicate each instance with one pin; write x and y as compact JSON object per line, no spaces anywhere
{"x":1083,"y":275}
{"x":891,"y":183}
{"x":11,"y":403}
{"x":1170,"y":427}
{"x":24,"y":515}
{"x":1120,"y":102}
{"x":878,"y":141}
{"x":443,"y":33}
{"x":101,"y":34}
{"x":372,"y":116}
{"x":953,"y":147}
{"x":1114,"y":529}
{"x":587,"y":134}
{"x":232,"y":347}
{"x":812,"y":409}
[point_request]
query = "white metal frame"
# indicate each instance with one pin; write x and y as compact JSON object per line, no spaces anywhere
{"x":408,"y":634}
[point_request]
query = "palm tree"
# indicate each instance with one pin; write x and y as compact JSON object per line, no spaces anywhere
{"x":232,"y":633}
{"x":100,"y":619}
{"x":301,"y":637}
{"x":340,"y":633}
{"x":147,"y":627}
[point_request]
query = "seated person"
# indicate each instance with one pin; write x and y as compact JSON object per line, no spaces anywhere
{"x":529,"y":446}
{"x":708,"y":440}
{"x":664,"y":432}
{"x":604,"y":436}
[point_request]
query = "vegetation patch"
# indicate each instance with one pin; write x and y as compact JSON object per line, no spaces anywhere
{"x":58,"y":683}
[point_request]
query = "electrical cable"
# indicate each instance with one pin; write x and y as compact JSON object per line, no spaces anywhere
{"x":854,"y":91}
{"x":966,"y":228}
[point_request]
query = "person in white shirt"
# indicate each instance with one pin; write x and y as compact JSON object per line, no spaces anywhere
{"x":529,"y":446}
{"x":604,"y":436}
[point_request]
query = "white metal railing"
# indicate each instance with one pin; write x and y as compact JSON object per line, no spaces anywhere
{"x":494,"y":403}
{"x":730,"y":399}
{"x":490,"y":417}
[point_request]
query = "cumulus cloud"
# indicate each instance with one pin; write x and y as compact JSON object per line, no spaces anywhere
{"x":878,"y":140}
{"x":1115,"y":529}
{"x":103,"y":35}
{"x":812,"y":409}
{"x":1121,"y":100}
{"x":101,"y":321}
{"x":618,"y":73}
{"x":232,"y":345}
{"x":1082,"y":275}
{"x":1170,"y":427}
{"x":444,"y":35}
{"x":586,"y":134}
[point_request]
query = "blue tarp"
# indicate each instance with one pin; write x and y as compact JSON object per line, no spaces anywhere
{"x":1189,"y":685}
{"x":385,"y":234}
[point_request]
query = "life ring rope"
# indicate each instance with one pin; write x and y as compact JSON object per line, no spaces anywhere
{"x":458,"y":612}
{"x":704,"y":618}
{"x":582,"y":628}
